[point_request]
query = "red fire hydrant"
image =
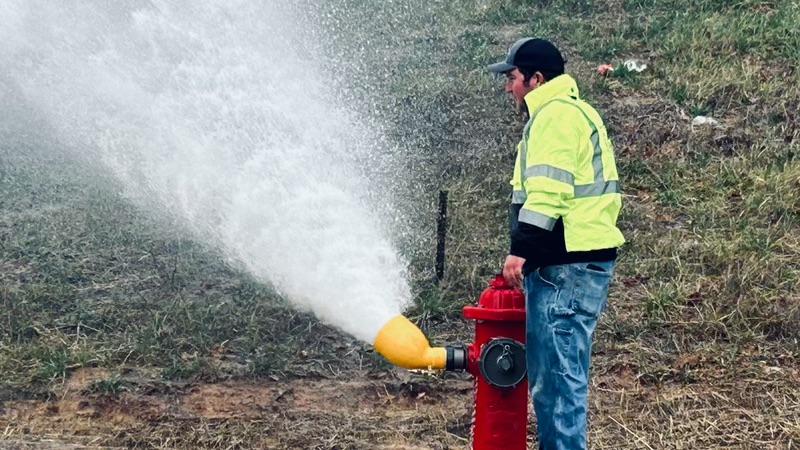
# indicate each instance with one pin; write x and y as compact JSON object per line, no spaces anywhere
{"x":497,"y":361}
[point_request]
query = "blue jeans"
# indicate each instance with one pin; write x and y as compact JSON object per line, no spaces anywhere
{"x":563,"y":304}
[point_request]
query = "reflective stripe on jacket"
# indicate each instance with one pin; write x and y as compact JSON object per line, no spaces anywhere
{"x":566,"y":169}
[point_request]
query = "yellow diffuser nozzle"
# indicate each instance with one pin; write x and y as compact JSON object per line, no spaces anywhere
{"x":404,"y":345}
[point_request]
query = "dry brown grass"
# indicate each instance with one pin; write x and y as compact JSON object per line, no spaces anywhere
{"x":753,"y":405}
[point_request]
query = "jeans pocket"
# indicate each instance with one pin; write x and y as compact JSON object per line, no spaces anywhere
{"x":543,"y":278}
{"x":590,"y":290}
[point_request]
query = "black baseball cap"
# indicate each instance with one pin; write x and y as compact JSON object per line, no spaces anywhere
{"x":531,"y":53}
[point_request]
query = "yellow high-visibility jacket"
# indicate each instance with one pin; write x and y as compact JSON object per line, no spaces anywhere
{"x":565,"y":180}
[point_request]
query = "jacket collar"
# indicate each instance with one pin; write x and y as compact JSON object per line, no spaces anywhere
{"x":560,"y":86}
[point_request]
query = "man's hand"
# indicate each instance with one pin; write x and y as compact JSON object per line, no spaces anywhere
{"x":512,"y":270}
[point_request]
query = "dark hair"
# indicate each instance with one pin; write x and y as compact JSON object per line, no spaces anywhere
{"x":528,"y":72}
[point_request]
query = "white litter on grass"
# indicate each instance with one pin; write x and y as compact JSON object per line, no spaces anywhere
{"x":704,"y":120}
{"x":634,"y":66}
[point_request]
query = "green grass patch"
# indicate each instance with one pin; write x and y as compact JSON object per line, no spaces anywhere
{"x":710,"y":213}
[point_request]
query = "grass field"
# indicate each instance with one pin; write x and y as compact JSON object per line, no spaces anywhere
{"x":117,"y":330}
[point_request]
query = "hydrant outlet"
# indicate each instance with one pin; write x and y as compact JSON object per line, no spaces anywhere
{"x":502,"y":363}
{"x":456,"y":358}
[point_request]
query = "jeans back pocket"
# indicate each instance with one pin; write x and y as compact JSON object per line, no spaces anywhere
{"x":590,"y":288}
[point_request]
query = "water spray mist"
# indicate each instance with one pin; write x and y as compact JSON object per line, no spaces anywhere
{"x":220,"y":114}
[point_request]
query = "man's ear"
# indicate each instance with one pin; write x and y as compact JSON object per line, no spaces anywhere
{"x":539,"y":78}
{"x":535,"y":80}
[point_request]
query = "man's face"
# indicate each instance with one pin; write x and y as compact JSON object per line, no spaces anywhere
{"x":517,"y":87}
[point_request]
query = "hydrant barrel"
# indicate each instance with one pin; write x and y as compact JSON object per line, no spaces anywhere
{"x":497,"y":360}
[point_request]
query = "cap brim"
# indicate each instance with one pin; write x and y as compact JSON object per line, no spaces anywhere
{"x":501,"y":67}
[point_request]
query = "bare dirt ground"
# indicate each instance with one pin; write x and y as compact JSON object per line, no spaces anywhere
{"x":754,"y":404}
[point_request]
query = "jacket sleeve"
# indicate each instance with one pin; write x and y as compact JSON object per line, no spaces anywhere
{"x":517,"y":237}
{"x":525,"y":238}
{"x":551,"y":160}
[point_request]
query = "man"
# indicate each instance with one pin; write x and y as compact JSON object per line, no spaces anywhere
{"x":563,"y":231}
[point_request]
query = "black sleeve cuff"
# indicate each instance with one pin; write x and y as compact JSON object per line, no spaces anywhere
{"x":527,"y":239}
{"x":518,"y":248}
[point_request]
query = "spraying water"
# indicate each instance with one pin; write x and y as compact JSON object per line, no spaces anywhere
{"x":219,"y":113}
